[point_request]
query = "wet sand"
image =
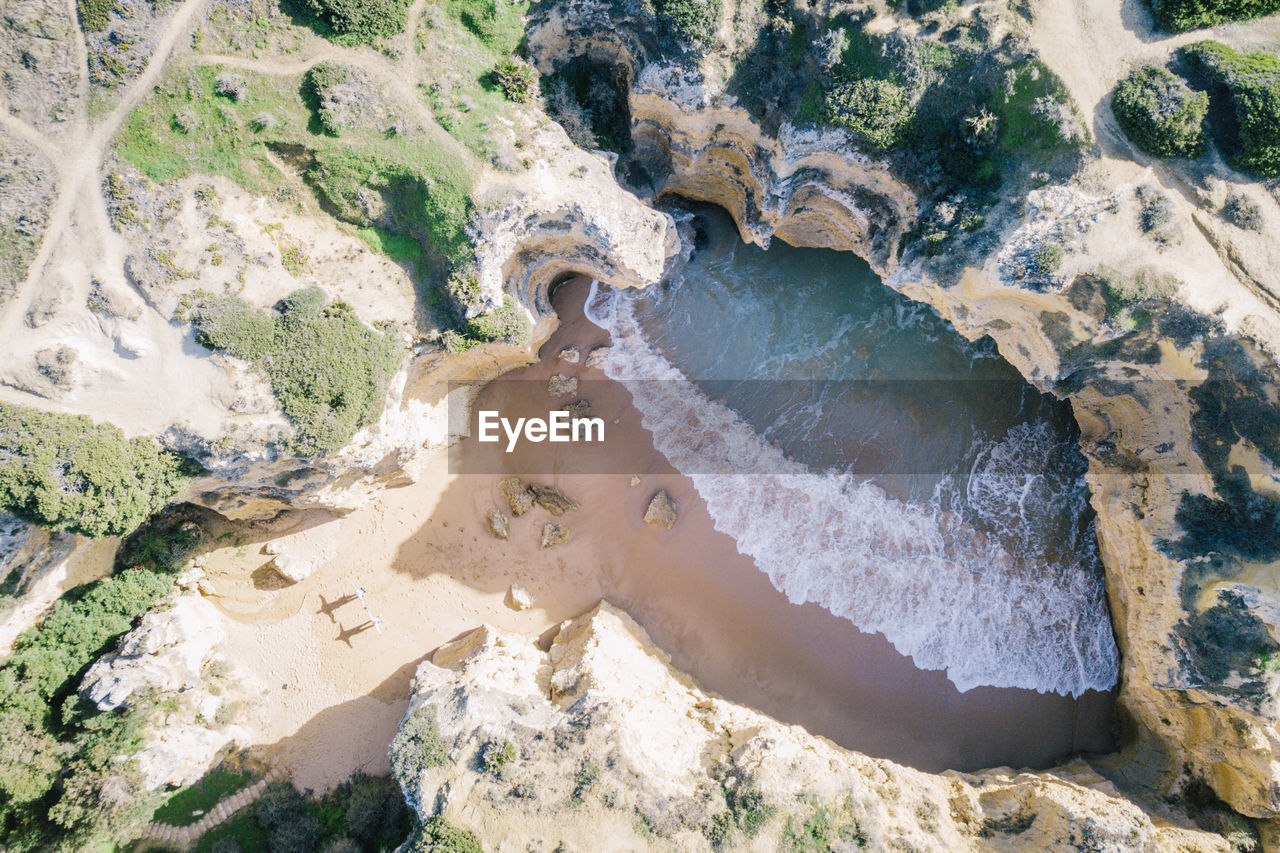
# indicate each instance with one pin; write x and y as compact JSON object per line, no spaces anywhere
{"x":715,"y":612}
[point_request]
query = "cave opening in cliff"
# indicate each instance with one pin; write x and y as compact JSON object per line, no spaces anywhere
{"x":921,"y":488}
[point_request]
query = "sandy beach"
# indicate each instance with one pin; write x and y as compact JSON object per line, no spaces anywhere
{"x":433,"y":571}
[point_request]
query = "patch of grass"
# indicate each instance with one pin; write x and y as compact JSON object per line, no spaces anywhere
{"x":66,"y":472}
{"x":498,"y":24}
{"x":400,"y":248}
{"x":427,"y":191}
{"x":243,"y":829}
{"x":187,"y":128}
{"x":1122,"y":291}
{"x":187,"y":805}
{"x":329,"y":370}
{"x":825,"y":829}
{"x":1160,"y":113}
{"x":1244,"y":93}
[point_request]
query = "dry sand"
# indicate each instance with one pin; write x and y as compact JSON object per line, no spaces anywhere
{"x":433,"y":572}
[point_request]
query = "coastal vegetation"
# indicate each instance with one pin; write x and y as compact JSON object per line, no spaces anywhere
{"x":354,"y":22}
{"x":364,"y":814}
{"x":1244,"y":92}
{"x":68,"y":776}
{"x":1179,"y":15}
{"x":329,"y":370}
{"x":691,"y":21}
{"x":1160,"y":113}
{"x":66,"y":472}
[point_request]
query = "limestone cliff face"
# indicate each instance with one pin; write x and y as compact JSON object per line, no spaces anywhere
{"x":599,"y":744}
{"x":1197,"y":623}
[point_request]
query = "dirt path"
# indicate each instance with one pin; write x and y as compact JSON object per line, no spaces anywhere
{"x":77,"y":159}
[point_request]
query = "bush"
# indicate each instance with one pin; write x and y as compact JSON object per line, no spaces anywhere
{"x":95,"y":15}
{"x":375,"y":812}
{"x":692,"y":21}
{"x":417,"y":747}
{"x":1178,"y":15}
{"x":518,"y":80}
{"x":1048,"y":259}
{"x":496,"y":755}
{"x":329,"y":371}
{"x":1242,"y":212}
{"x":68,"y":473}
{"x":361,"y":21}
{"x":72,"y":779}
{"x":1247,"y":86}
{"x":437,"y":835}
{"x":874,"y":111}
{"x":1160,"y":113}
{"x":507,"y":323}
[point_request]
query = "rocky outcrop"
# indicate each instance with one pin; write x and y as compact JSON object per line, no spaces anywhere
{"x":609,"y":745}
{"x":168,"y":657}
{"x":1196,"y":626}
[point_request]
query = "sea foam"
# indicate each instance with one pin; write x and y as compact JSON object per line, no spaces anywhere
{"x":946,"y":595}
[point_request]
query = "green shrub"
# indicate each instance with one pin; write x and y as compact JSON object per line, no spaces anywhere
{"x":68,"y":473}
{"x":1048,"y":259}
{"x":1178,"y":15}
{"x":692,"y":21}
{"x":375,"y":812}
{"x":507,"y":323}
{"x":1160,"y":113}
{"x":329,"y":371}
{"x":1247,"y":86}
{"x":496,"y":755}
{"x":67,"y":778}
{"x":437,"y":835}
{"x":1242,"y":212}
{"x":518,"y":80}
{"x":319,"y":78}
{"x":361,"y":21}
{"x":417,"y":747}
{"x":875,"y":111}
{"x":95,"y":15}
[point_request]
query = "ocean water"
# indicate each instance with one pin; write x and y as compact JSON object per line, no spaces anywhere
{"x":869,"y":459}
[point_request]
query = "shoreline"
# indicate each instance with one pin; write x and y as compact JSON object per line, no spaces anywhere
{"x":328,"y":705}
{"x":722,"y":620}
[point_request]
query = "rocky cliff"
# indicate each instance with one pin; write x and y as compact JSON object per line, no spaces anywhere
{"x":599,"y":744}
{"x":1164,"y":345}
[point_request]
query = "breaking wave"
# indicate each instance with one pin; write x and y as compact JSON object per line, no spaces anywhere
{"x":954,"y":582}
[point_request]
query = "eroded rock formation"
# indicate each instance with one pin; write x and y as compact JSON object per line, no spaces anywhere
{"x":599,"y":744}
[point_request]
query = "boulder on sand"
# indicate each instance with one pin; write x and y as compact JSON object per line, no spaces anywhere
{"x":553,"y":500}
{"x":498,"y":524}
{"x":662,"y":510}
{"x":518,"y":496}
{"x":554,"y":534}
{"x":562,"y":386}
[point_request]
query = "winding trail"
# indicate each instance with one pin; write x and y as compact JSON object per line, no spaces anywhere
{"x":76,"y":159}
